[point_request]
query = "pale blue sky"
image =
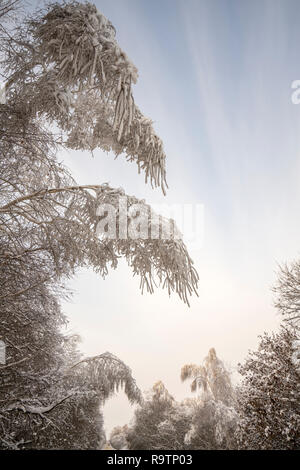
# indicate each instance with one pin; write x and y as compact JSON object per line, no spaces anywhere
{"x":215,"y":76}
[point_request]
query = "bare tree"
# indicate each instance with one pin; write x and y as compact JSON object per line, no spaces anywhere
{"x":288,"y":292}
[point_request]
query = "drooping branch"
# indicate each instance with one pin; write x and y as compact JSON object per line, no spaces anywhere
{"x":106,"y":373}
{"x":157,"y":260}
{"x":82,"y":63}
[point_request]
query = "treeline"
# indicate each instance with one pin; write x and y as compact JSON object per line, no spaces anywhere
{"x":262,"y":412}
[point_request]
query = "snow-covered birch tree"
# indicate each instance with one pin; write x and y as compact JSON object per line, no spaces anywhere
{"x":215,"y":418}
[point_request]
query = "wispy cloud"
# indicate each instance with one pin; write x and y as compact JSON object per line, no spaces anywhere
{"x":251,"y":125}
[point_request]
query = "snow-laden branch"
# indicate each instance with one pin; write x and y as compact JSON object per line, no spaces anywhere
{"x":11,"y":364}
{"x":40,"y":410}
{"x":72,"y":210}
{"x":43,"y":192}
